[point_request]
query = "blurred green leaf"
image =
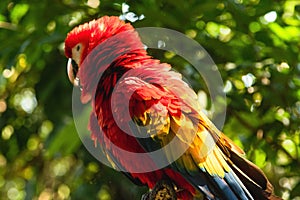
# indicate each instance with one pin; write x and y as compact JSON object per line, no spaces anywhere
{"x":260,"y":158}
{"x":65,"y":142}
{"x":18,"y":11}
{"x":296,"y":191}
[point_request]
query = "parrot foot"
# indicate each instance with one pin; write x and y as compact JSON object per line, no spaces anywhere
{"x":163,"y":190}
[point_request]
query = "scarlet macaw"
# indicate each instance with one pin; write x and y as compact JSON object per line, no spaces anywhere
{"x":160,"y":105}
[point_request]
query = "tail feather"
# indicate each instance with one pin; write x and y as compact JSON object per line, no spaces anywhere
{"x":215,"y":187}
{"x":244,"y":181}
{"x":237,"y":186}
{"x":252,"y":177}
{"x":227,"y":191}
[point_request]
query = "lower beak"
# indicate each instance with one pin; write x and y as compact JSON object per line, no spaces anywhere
{"x":72,"y":69}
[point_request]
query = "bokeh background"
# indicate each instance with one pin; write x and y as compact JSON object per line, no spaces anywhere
{"x":255,"y":44}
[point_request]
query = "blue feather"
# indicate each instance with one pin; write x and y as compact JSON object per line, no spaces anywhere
{"x":237,"y":186}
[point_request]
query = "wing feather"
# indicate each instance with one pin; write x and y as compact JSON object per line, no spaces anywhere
{"x":169,"y":110}
{"x":159,"y":108}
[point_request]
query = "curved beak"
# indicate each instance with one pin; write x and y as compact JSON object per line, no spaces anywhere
{"x":72,"y":70}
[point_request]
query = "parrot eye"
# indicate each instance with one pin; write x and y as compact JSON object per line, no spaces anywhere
{"x":76,"y":52}
{"x":78,"y":47}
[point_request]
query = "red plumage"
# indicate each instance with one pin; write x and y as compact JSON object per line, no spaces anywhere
{"x":114,"y":68}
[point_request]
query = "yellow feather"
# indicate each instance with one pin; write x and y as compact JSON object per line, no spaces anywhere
{"x":184,"y":128}
{"x":221,"y":158}
{"x":203,"y":152}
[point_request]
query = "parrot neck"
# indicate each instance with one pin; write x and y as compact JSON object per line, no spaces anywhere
{"x":118,"y":68}
{"x":108,"y":61}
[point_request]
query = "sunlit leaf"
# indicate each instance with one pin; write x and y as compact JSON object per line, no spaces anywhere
{"x":18,"y":11}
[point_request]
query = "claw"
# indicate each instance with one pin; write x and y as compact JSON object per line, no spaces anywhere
{"x":163,"y":190}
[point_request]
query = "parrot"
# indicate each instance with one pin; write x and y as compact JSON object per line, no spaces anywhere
{"x":140,"y":105}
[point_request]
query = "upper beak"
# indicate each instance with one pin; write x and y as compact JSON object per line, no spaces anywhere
{"x":72,"y":70}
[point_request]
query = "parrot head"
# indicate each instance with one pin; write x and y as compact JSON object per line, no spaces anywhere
{"x":83,"y":39}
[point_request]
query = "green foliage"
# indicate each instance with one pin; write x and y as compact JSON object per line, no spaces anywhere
{"x":41,"y":156}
